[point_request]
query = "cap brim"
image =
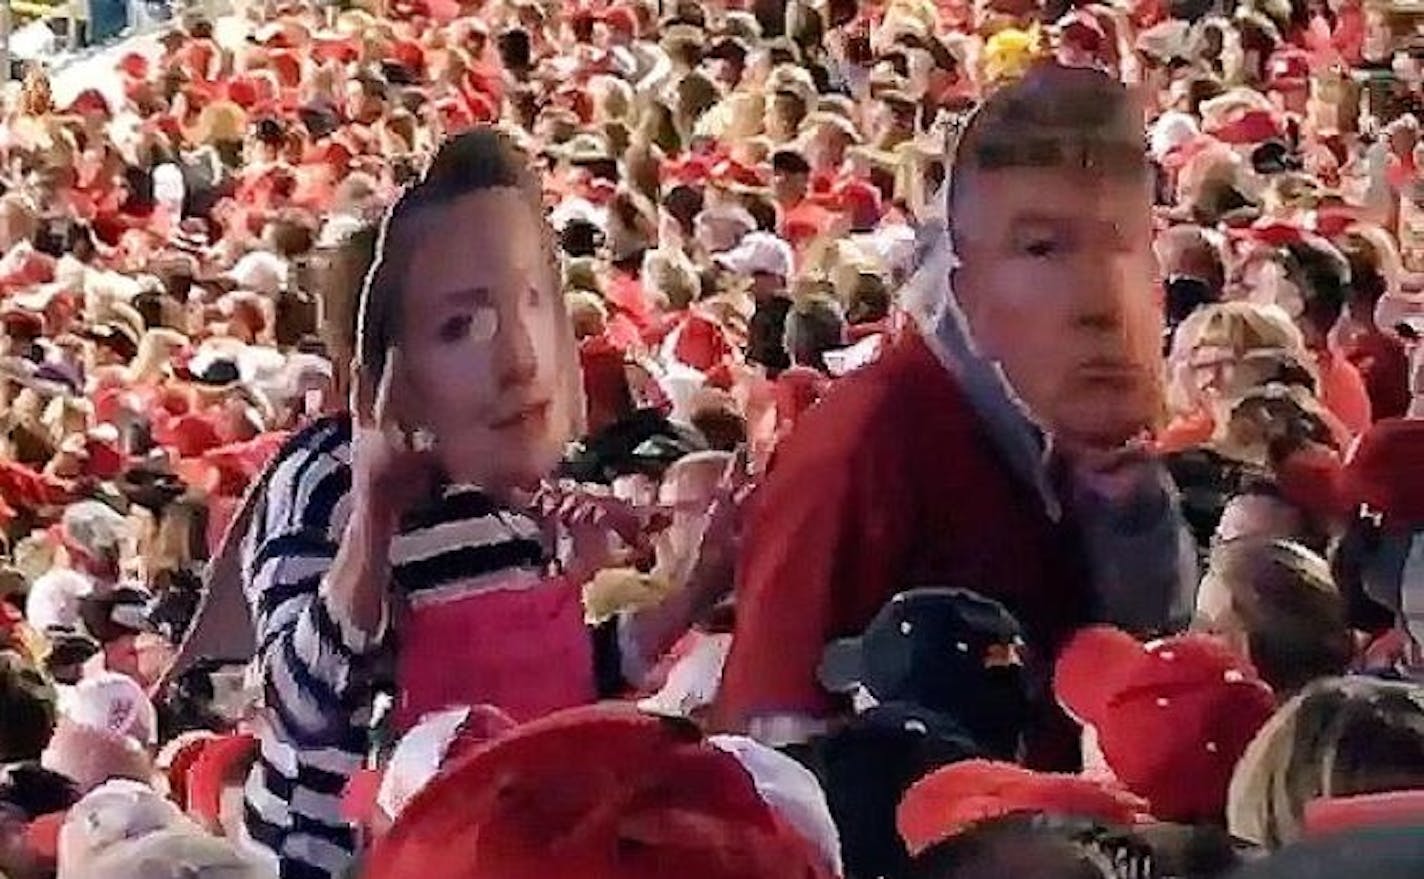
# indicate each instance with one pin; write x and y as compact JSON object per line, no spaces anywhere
{"x":842,"y":668}
{"x":1084,"y":679}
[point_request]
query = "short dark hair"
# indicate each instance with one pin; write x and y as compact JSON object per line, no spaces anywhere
{"x":1323,"y":275}
{"x":27,"y":709}
{"x":480,"y":159}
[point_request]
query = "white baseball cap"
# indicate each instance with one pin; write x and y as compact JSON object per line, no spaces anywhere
{"x":115,"y":812}
{"x":175,"y":853}
{"x":760,"y":253}
{"x":53,"y":602}
{"x":113,"y":703}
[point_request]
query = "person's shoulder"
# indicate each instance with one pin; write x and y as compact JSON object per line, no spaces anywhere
{"x":905,"y":391}
{"x":329,"y":435}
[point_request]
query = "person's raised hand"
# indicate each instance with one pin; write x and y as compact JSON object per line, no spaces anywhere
{"x":393,"y":469}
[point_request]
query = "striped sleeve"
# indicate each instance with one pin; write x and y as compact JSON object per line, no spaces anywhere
{"x":315,"y":676}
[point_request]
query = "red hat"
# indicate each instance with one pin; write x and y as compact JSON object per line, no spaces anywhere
{"x":1252,"y":126}
{"x":693,"y":169}
{"x":210,"y":771}
{"x":1402,"y":808}
{"x":950,"y":800}
{"x":408,"y":54}
{"x":134,"y":65}
{"x":1333,"y":220}
{"x":1272,"y":233}
{"x":243,"y":91}
{"x":191,"y":435}
{"x":340,"y":49}
{"x":1172,"y":716}
{"x":179,"y":756}
{"x":621,"y":19}
{"x":288,"y":67}
{"x":1386,"y":472}
{"x":90,"y":102}
{"x":1289,"y":68}
{"x":454,"y":115}
{"x":454,"y":732}
{"x":601,"y":792}
{"x":730,"y":172}
{"x":701,"y":344}
{"x":861,"y":199}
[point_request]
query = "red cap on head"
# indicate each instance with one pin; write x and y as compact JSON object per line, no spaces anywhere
{"x":1289,"y":68}
{"x":950,"y":800}
{"x":90,"y":102}
{"x":1172,"y":716}
{"x":243,"y":91}
{"x":621,"y":19}
{"x":1083,"y":31}
{"x":599,"y":793}
{"x":1252,"y":126}
{"x":861,"y":199}
{"x":1404,"y":808}
{"x":409,"y":55}
{"x":134,"y":65}
{"x":1386,"y":472}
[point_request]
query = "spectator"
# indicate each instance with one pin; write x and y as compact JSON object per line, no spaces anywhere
{"x":1338,"y":737}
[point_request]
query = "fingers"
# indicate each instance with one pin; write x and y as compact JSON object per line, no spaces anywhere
{"x":382,"y":412}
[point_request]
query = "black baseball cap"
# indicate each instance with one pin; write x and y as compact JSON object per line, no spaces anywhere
{"x":930,"y":647}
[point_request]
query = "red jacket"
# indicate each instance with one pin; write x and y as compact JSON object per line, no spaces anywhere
{"x":887,"y":485}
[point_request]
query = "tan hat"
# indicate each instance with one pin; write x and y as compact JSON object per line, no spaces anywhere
{"x":831,"y":120}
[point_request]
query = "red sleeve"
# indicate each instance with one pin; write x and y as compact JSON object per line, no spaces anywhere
{"x":1343,"y":392}
{"x":823,"y":545}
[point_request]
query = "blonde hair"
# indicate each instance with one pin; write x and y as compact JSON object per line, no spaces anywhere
{"x":1339,"y":737}
{"x":155,"y":350}
{"x":1244,"y":329}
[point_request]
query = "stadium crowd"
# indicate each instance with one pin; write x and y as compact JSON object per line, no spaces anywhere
{"x":752,"y":438}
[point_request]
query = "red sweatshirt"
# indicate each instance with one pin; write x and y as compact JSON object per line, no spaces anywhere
{"x":889,"y":484}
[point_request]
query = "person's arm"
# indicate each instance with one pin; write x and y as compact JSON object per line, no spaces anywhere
{"x":316,"y":599}
{"x":824,"y":547}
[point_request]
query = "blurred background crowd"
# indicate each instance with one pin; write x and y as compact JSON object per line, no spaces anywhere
{"x":740,"y":194}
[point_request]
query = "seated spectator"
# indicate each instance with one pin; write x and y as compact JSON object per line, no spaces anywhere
{"x":1274,"y":602}
{"x":1167,"y":719}
{"x":1338,"y":737}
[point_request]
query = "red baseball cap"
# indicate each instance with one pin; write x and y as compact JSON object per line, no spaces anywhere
{"x":1252,"y":126}
{"x":1289,"y":68}
{"x":1403,"y":808}
{"x":601,"y":792}
{"x":134,"y":65}
{"x":950,"y":800}
{"x":1172,"y":716}
{"x":621,"y":19}
{"x":1386,"y":472}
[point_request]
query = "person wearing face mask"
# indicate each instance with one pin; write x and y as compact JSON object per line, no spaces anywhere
{"x":407,"y":527}
{"x":1017,"y":407}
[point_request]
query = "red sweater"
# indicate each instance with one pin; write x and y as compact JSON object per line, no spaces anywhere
{"x":889,"y":484}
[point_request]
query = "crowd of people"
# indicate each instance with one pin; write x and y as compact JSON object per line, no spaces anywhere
{"x":789,"y":438}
